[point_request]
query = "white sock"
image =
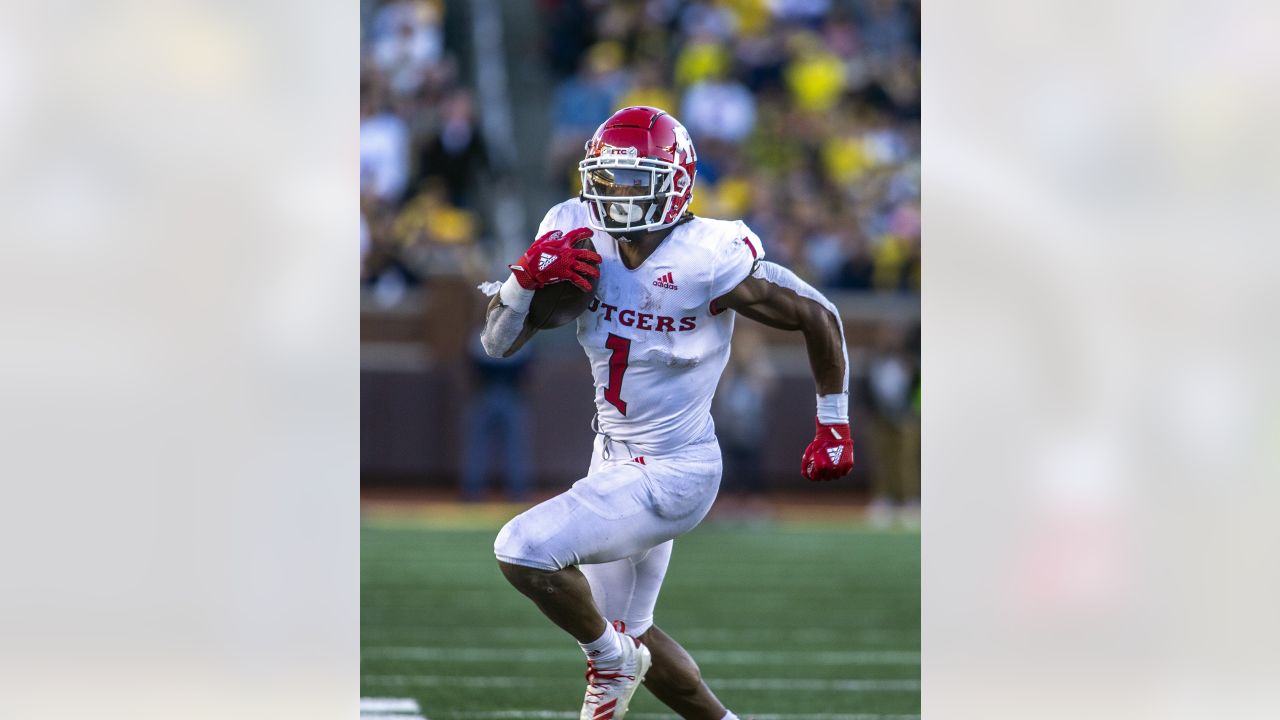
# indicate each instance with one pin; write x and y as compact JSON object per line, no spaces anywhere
{"x":728,"y":715}
{"x":606,"y":649}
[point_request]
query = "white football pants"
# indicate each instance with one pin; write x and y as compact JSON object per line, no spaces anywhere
{"x":617,"y":524}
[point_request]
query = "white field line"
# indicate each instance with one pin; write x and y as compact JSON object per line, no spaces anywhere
{"x":815,"y":684}
{"x":554,"y":715}
{"x":805,"y":684}
{"x":388,"y":705}
{"x":483,"y":681}
{"x":498,"y":634}
{"x":374,"y":708}
{"x":727,"y":657}
{"x":379,"y":606}
{"x":389,"y":709}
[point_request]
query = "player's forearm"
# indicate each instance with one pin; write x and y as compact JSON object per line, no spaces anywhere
{"x":824,"y":340}
{"x":504,"y":325}
{"x":830,"y":455}
{"x":819,"y":320}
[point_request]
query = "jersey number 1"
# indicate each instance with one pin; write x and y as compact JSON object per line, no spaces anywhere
{"x":621,"y":348}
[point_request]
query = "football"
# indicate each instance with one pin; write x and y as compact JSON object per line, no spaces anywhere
{"x":561,"y":303}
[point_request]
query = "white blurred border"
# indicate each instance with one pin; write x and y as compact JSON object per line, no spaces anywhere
{"x":178,"y":529}
{"x":179,"y":522}
{"x":1101,"y":346}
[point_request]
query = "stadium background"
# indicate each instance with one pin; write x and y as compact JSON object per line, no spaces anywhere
{"x":805,"y":114}
{"x":800,"y":600}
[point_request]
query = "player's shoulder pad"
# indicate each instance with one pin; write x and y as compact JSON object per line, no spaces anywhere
{"x":726,"y":238}
{"x":570,"y":214}
{"x":743,"y":236}
{"x":735,"y":245}
{"x":736,"y":252}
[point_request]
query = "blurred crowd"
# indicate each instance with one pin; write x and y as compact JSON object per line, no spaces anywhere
{"x":805,"y":114}
{"x":806,"y":118}
{"x":421,"y":151}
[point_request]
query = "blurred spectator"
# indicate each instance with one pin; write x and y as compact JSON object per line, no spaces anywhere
{"x":892,"y":389}
{"x":581,"y":104}
{"x":799,"y":11}
{"x":750,"y":17}
{"x":456,"y":154}
{"x":366,"y":241}
{"x":825,"y":254}
{"x":760,"y":58}
{"x":384,"y":148}
{"x":719,"y":109}
{"x":815,"y":76}
{"x":648,"y":88}
{"x":700,"y":60}
{"x":381,"y":266}
{"x":497,"y":424}
{"x":742,"y":417}
{"x":858,"y":270}
{"x":406,"y":42}
{"x":708,"y":19}
{"x":897,"y":256}
{"x":587,"y":99}
{"x":570,"y":31}
{"x":437,"y":238}
{"x":886,"y":28}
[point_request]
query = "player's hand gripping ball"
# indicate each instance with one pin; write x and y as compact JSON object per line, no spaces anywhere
{"x":558,"y":257}
{"x":563,"y":269}
{"x":830,"y":455}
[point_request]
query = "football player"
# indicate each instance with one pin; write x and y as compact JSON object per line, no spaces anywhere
{"x":657,"y":334}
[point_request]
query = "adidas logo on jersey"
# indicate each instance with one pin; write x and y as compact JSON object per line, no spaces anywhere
{"x":545,"y":260}
{"x":835,"y":453}
{"x":666,"y":281}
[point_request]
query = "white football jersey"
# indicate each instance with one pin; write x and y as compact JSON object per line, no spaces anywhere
{"x":656,"y":344}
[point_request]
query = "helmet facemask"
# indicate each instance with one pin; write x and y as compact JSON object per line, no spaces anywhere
{"x":630,"y":194}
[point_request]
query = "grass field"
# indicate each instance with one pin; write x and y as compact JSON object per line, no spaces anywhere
{"x":788,"y":620}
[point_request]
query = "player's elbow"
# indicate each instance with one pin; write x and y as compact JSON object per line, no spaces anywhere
{"x":493,"y":347}
{"x":821,"y":319}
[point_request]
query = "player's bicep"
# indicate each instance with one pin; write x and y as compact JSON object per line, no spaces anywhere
{"x":760,"y":300}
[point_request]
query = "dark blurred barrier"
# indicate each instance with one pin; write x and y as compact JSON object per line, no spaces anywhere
{"x":416,"y":383}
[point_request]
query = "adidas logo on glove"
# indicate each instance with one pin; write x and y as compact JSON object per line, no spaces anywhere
{"x":545,"y":260}
{"x":834,"y":453}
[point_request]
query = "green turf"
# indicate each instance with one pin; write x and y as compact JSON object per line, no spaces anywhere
{"x":774,"y":604}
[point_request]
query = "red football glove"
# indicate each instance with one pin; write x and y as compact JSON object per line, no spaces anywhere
{"x":552,"y":258}
{"x":830,"y":455}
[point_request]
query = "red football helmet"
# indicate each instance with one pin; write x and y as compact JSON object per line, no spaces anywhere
{"x":639,"y":171}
